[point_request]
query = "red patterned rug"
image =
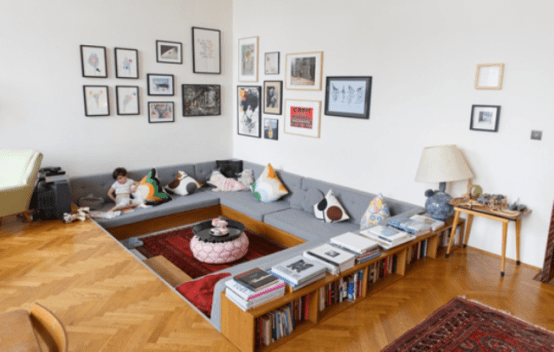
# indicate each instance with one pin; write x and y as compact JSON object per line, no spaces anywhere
{"x":174,"y":245}
{"x":463,"y":325}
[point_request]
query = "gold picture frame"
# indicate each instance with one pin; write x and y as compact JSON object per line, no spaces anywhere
{"x":489,"y":76}
{"x":248,"y":59}
{"x":303,"y":117}
{"x":309,"y":75}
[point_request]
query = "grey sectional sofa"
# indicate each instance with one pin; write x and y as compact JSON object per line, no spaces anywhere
{"x":292,"y":214}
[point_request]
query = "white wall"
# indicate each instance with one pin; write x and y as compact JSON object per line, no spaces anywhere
{"x":41,"y":86}
{"x":422,"y":56}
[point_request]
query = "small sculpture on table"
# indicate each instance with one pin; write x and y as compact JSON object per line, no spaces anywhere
{"x":219,"y":227}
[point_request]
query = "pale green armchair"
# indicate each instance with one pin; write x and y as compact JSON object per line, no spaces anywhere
{"x":18,"y":173}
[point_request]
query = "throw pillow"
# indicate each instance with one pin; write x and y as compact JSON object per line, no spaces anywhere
{"x":268,"y":187}
{"x":246,"y":177}
{"x":183,"y":184}
{"x":223,"y":183}
{"x":375,"y":213}
{"x":229,"y":168}
{"x":305,"y":199}
{"x":329,"y":209}
{"x":201,"y":292}
{"x":150,"y":190}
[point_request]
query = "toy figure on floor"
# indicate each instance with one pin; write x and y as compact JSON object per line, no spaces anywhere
{"x":121,"y":190}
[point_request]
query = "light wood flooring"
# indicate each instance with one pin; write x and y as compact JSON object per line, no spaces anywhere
{"x":109,"y":301}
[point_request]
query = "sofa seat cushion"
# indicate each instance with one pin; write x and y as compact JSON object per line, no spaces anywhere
{"x":245,"y":202}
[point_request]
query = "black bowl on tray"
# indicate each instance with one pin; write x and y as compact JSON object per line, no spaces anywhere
{"x":203,"y":231}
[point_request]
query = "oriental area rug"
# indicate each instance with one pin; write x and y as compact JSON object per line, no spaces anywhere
{"x":463,"y":325}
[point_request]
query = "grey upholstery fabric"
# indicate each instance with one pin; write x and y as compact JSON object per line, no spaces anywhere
{"x":244,"y":202}
{"x":203,"y":171}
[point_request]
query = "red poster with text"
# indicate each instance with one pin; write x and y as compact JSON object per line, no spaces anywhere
{"x":302,"y":117}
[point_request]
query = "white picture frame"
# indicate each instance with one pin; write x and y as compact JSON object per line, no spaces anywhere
{"x":303,"y":117}
{"x":304,"y":71}
{"x":489,"y":76}
{"x":248,"y":59}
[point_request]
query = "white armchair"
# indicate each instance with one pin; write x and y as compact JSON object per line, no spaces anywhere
{"x":18,"y":173}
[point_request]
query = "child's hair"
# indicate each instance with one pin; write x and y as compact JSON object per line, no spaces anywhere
{"x":120,"y":171}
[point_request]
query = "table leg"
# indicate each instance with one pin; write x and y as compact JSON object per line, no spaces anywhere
{"x":518,"y":232}
{"x":452,"y":232}
{"x":469,"y":221}
{"x":504,"y":237}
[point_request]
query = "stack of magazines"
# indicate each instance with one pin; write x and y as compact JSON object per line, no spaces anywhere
{"x":388,"y":237}
{"x":299,"y":272}
{"x":253,"y":288}
{"x":335,"y":259}
{"x":363,"y":248}
{"x":411,"y":226}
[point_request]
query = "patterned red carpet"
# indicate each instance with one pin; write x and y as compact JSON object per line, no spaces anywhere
{"x":463,"y":325}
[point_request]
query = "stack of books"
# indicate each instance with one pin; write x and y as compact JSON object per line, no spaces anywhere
{"x":253,"y":288}
{"x":411,"y":226}
{"x":298,"y":271}
{"x":387,"y":237}
{"x":363,"y":248}
{"x":435,"y":224}
{"x":335,"y":259}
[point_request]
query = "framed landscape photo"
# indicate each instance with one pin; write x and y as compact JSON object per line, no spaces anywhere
{"x":271,"y":129}
{"x":302,"y":117}
{"x":489,"y":76}
{"x":93,"y":61}
{"x":126,"y":63}
{"x":249,"y":113}
{"x":169,"y":52}
{"x":485,"y":118}
{"x":271,"y":63}
{"x":304,"y":71}
{"x":160,"y":84}
{"x":348,"y":96}
{"x":97,"y":102}
{"x":160,"y":111}
{"x":201,"y":99}
{"x":206,"y":50}
{"x":273,"y":97}
{"x":127,"y":100}
{"x":248,"y":59}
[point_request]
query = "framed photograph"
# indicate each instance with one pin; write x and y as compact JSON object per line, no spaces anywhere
{"x":127,"y":100}
{"x":489,"y":76}
{"x":160,"y":111}
{"x":249,"y":115}
{"x":93,"y":61}
{"x":169,"y":52}
{"x":160,"y":84}
{"x":248,"y":59}
{"x":272,"y":63}
{"x":97,"y":102}
{"x":201,"y":99}
{"x":485,"y":118}
{"x":302,"y":117}
{"x":126,"y":63}
{"x":271,"y":129}
{"x":304,"y":71}
{"x":348,"y":96}
{"x":273,"y":97}
{"x":206,"y":50}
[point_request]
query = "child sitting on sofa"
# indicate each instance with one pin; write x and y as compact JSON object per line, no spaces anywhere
{"x":122,"y":188}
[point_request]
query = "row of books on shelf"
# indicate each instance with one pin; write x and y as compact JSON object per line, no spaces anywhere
{"x":347,"y":288}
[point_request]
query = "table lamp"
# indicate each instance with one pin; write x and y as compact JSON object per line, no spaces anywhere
{"x":442,"y":164}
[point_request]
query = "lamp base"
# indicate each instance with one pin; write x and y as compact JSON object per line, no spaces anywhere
{"x":437,"y":205}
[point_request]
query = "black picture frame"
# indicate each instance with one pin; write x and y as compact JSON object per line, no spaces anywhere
{"x":273,"y":68}
{"x":485,"y":118}
{"x":97,"y":100}
{"x":348,"y":96}
{"x":247,"y":98}
{"x":124,"y":63}
{"x":271,"y":129}
{"x":201,"y":49}
{"x":169,"y":52}
{"x":94,"y":61}
{"x":160,"y":84}
{"x":127,"y":95}
{"x":201,"y":99}
{"x":274,"y":99}
{"x":154,"y":111}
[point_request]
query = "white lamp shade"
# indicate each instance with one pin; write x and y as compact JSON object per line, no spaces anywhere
{"x":443,"y":163}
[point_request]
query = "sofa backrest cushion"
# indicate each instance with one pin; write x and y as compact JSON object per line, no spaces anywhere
{"x":203,"y":171}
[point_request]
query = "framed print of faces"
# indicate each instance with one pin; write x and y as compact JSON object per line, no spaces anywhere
{"x":160,"y":111}
{"x":97,"y":102}
{"x":273,"y":97}
{"x":93,"y":61}
{"x":249,"y":111}
{"x":126,"y":63}
{"x":248,"y":59}
{"x":304,"y":71}
{"x":302,"y":117}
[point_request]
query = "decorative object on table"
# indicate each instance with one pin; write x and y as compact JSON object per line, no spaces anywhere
{"x":159,"y":84}
{"x":246,"y":178}
{"x":272,"y":63}
{"x":489,"y":76}
{"x":302,"y":117}
{"x":348,"y":96}
{"x":376,"y":212}
{"x":249,"y":115}
{"x":271,"y":129}
{"x":169,"y":52}
{"x":304,"y":70}
{"x":484,"y":118}
{"x":219,"y":227}
{"x":127,"y":100}
{"x":183,"y":184}
{"x":268,"y":187}
{"x":206,"y":50}
{"x":248,"y":59}
{"x":441,"y":164}
{"x":160,"y":111}
{"x":93,"y":61}
{"x":97,"y":102}
{"x":201,"y":99}
{"x":329,"y":209}
{"x":126,"y":63}
{"x":273,"y":94}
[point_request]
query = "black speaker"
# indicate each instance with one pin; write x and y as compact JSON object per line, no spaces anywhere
{"x":52,"y":198}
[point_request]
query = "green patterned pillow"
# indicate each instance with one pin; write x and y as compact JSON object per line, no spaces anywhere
{"x":150,"y":189}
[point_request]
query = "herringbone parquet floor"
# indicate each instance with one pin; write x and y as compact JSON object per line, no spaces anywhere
{"x":108,"y":301}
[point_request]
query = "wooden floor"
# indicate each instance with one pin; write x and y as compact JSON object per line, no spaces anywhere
{"x":108,"y":301}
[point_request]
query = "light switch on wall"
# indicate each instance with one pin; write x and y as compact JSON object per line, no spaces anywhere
{"x":536,"y":135}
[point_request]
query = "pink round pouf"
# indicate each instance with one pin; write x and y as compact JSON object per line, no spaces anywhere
{"x":218,"y":253}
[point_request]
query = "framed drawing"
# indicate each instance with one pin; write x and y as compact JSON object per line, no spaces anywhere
{"x":248,"y":59}
{"x":126,"y":63}
{"x":271,"y":129}
{"x":206,"y":50}
{"x":348,"y":96}
{"x":249,"y":113}
{"x":272,"y":63}
{"x":97,"y":102}
{"x":489,"y":76}
{"x":302,"y":117}
{"x":304,"y":71}
{"x":201,"y":99}
{"x":169,"y":52}
{"x":160,"y":111}
{"x":93,"y":61}
{"x":127,"y":100}
{"x":484,"y":118}
{"x":273,"y":97}
{"x":160,"y":84}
